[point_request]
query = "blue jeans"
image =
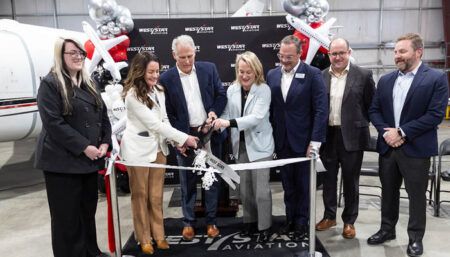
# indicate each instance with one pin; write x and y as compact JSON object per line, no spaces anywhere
{"x":188,"y":184}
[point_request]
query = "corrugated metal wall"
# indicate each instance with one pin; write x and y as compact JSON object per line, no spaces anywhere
{"x":370,"y":26}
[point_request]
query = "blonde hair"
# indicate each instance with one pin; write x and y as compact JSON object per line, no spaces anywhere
{"x":255,"y":64}
{"x":62,"y":76}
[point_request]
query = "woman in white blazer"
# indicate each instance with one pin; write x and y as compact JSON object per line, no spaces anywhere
{"x":145,"y":140}
{"x":247,"y":114}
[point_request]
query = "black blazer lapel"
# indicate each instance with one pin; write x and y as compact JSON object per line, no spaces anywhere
{"x":296,"y":82}
{"x":84,"y":95}
{"x":349,"y":82}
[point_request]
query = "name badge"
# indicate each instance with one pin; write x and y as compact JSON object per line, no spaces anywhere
{"x":299,"y":75}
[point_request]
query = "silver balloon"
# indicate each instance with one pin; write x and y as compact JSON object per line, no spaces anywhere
{"x":293,"y":7}
{"x":125,"y":24}
{"x":116,"y":31}
{"x":324,"y":6}
{"x":111,"y":24}
{"x":95,"y":3}
{"x":122,"y":11}
{"x":102,"y":11}
{"x":103,"y":30}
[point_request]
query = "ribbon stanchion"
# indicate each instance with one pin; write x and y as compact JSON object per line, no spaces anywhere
{"x":115,"y":209}
{"x":312,"y":211}
{"x":227,"y":171}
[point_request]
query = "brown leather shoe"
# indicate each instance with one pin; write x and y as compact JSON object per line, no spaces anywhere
{"x":147,"y":249}
{"x":212,"y":231}
{"x":162,"y":244}
{"x":188,"y":233}
{"x":325,"y":224}
{"x":348,"y":231}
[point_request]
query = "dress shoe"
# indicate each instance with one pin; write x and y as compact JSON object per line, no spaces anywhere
{"x":248,"y":230}
{"x":162,"y":244}
{"x":188,"y":233}
{"x":263,"y":236}
{"x":300,"y":233}
{"x":212,"y":231}
{"x":414,"y":248}
{"x":380,"y":237}
{"x":286,"y":228}
{"x":325,"y":224}
{"x":349,"y":231}
{"x":147,"y":248}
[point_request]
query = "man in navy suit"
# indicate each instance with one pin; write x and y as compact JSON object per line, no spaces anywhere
{"x":194,"y":94}
{"x":299,"y":114}
{"x":407,"y":108}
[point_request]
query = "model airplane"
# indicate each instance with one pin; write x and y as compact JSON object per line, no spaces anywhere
{"x":26,"y":56}
{"x":317,"y":37}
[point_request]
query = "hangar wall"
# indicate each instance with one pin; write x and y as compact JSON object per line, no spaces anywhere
{"x":370,"y":26}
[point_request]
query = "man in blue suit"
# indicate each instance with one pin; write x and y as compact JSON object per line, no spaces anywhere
{"x":299,"y":114}
{"x":194,"y":94}
{"x":407,"y":108}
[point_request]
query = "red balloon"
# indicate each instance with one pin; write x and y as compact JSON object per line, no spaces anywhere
{"x":89,"y":47}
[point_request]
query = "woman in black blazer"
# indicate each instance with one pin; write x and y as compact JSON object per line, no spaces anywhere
{"x":75,"y":136}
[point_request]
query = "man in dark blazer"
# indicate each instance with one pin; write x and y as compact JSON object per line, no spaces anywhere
{"x":350,"y":89}
{"x":194,"y":94}
{"x":407,"y":108}
{"x":299,"y":113}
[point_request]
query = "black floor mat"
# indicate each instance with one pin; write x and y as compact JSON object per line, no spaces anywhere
{"x":228,"y":244}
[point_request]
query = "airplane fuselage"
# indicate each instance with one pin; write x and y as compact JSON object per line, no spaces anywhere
{"x":26,"y":56}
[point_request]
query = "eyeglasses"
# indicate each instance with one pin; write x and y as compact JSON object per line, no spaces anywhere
{"x":76,"y":54}
{"x":286,"y":57}
{"x":336,"y":54}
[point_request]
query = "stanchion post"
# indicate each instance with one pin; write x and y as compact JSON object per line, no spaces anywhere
{"x":312,"y":211}
{"x":115,"y":211}
{"x":312,"y":208}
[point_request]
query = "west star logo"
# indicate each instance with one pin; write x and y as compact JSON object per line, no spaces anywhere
{"x":284,"y":26}
{"x":155,"y":31}
{"x":235,"y":242}
{"x":246,"y":28}
{"x":232,"y":47}
{"x":200,"y":30}
{"x":141,"y":48}
{"x":274,"y":46}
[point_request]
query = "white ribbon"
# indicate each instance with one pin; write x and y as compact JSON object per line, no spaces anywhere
{"x":228,"y":172}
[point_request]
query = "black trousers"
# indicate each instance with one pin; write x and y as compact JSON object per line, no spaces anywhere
{"x":395,"y":166}
{"x":295,"y":181}
{"x":72,"y":199}
{"x":334,"y":155}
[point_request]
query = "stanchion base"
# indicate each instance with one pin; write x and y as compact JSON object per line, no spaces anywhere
{"x":307,"y":254}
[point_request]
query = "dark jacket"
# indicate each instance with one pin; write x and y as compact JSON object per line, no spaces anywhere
{"x":63,"y":138}
{"x":422,"y":112}
{"x":358,"y":93}
{"x":213,"y":94}
{"x":303,"y":117}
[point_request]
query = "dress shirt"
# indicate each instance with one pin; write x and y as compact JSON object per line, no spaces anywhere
{"x":401,"y":88}
{"x":286,"y":79}
{"x":337,"y":87}
{"x":191,"y":89}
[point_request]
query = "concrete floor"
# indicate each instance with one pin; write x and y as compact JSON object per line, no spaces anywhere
{"x":25,"y":219}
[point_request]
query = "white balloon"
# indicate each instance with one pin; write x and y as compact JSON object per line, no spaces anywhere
{"x":118,"y":108}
